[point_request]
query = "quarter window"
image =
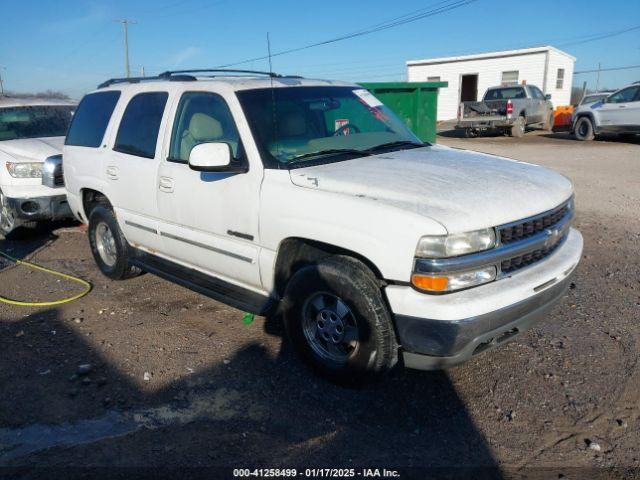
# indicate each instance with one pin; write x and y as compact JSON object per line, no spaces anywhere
{"x":202,"y":117}
{"x":138,"y":132}
{"x":91,"y":118}
{"x":560,"y":78}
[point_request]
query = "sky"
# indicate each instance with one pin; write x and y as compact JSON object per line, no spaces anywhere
{"x":73,"y":45}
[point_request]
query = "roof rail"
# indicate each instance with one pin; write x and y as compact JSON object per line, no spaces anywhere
{"x":175,"y":78}
{"x":170,"y":73}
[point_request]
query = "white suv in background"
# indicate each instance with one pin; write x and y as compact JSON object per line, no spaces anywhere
{"x":31,"y":130}
{"x":617,"y":113}
{"x":312,"y":198}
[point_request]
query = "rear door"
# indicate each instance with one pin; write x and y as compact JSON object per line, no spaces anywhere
{"x":131,"y":167}
{"x":620,"y":110}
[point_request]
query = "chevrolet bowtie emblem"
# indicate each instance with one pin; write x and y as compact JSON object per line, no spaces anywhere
{"x":553,"y":235}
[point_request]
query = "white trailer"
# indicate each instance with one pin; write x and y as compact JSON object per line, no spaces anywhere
{"x":469,"y":76}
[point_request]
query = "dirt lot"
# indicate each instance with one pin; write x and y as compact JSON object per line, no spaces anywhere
{"x":177,"y":380}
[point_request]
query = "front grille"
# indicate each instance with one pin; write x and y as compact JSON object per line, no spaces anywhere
{"x":527,"y":228}
{"x":521,"y":261}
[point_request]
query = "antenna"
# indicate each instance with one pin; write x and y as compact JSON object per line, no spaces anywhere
{"x":273,"y":96}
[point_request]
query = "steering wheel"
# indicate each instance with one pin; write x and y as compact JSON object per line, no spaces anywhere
{"x":344,"y":128}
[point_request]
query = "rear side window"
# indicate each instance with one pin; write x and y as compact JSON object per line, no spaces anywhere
{"x":138,"y":132}
{"x":91,"y":119}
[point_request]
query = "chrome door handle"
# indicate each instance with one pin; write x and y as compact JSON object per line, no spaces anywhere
{"x":112,"y":172}
{"x":166,"y":184}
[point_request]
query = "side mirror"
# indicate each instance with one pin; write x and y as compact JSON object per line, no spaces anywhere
{"x":547,"y":96}
{"x":213,"y":157}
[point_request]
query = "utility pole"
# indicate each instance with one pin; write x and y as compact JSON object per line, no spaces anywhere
{"x":598,"y":79}
{"x":125,"y":25}
{"x":1,"y":84}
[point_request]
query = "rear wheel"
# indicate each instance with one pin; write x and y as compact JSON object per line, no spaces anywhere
{"x":470,"y":133}
{"x":338,"y":321}
{"x":584,"y":129}
{"x":110,"y":249}
{"x":548,"y":125}
{"x":518,"y":128}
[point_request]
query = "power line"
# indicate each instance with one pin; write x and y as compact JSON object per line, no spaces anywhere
{"x":450,"y":5}
{"x":602,"y":36}
{"x":628,"y":67}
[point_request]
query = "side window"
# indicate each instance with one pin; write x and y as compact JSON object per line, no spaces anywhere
{"x":510,"y":77}
{"x":138,"y":132}
{"x":535,"y":91}
{"x":560,"y":78}
{"x":623,"y":96}
{"x":90,"y":121}
{"x":202,"y":117}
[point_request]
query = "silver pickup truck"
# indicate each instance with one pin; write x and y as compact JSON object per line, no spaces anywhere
{"x":508,"y":108}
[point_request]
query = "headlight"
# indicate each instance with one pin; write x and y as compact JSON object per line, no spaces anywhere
{"x":442,"y":246}
{"x":441,"y":283}
{"x":25,"y":170}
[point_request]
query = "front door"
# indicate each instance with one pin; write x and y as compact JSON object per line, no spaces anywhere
{"x":469,"y":88}
{"x":209,"y":220}
{"x":621,"y":109}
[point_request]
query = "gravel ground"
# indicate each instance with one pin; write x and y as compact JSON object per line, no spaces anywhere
{"x":171,"y":379}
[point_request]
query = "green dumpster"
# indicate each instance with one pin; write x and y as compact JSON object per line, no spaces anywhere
{"x":416,"y":103}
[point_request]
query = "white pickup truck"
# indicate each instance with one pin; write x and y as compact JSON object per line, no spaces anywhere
{"x":31,"y":130}
{"x":313,"y":199}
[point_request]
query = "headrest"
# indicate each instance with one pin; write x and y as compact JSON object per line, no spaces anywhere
{"x":292,"y":125}
{"x":203,"y":127}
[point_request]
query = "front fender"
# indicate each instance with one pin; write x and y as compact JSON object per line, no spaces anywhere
{"x":387,"y":236}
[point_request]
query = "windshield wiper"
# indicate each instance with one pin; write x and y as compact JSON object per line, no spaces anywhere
{"x":322,"y":153}
{"x":398,"y":143}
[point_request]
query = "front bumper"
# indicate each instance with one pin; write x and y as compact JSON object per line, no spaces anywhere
{"x":29,"y":209}
{"x":440,"y":331}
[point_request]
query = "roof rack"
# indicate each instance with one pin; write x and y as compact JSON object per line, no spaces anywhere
{"x":170,"y":73}
{"x":175,"y":78}
{"x":184,"y":76}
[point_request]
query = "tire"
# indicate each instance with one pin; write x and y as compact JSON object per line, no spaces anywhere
{"x":7,"y":222}
{"x":338,"y":321}
{"x":518,"y":128}
{"x":110,"y":249}
{"x":584,"y":129}
{"x":548,"y":125}
{"x":470,"y":133}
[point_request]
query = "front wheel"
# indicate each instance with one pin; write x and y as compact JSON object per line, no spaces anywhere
{"x":584,"y":129}
{"x":109,"y":247}
{"x":335,"y":316}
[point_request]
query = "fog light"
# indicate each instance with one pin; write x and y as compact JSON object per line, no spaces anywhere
{"x":452,"y":281}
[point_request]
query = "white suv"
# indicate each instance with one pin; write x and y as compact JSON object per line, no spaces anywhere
{"x":313,"y":199}
{"x":617,"y":113}
{"x":31,"y":130}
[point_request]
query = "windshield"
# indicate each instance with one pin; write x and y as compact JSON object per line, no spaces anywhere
{"x":505,"y":93}
{"x":303,"y":124}
{"x":34,"y":121}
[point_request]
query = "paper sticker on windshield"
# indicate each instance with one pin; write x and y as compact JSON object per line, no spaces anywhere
{"x":368,"y":98}
{"x":340,"y":122}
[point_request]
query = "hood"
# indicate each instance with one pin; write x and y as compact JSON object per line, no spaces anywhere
{"x":32,"y":149}
{"x":462,"y":190}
